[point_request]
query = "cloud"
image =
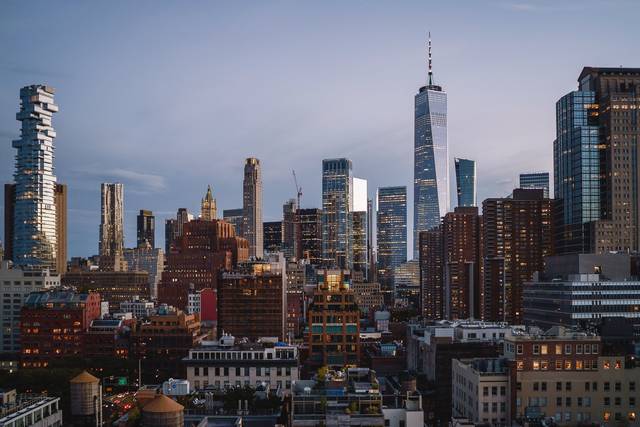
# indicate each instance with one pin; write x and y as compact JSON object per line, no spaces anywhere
{"x":137,"y":181}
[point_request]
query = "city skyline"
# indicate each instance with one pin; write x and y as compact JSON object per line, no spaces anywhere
{"x":87,"y":156}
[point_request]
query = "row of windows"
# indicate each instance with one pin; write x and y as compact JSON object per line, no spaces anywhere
{"x":218,"y":371}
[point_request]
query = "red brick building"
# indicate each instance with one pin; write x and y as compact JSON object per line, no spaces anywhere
{"x":53,"y":325}
{"x":204,"y":250}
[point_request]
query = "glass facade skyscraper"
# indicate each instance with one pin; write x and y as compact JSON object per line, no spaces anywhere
{"x":431,"y":158}
{"x":576,"y":166}
{"x":35,"y":230}
{"x":359,"y":226}
{"x":539,"y":180}
{"x":337,"y":203}
{"x":392,"y":231}
{"x":466,"y":182}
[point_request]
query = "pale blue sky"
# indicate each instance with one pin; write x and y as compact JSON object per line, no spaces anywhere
{"x":168,"y":97}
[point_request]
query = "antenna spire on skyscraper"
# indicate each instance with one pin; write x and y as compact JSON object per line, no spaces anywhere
{"x":430,"y":64}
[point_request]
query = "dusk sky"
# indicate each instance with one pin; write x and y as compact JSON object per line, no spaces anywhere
{"x":167,"y":97}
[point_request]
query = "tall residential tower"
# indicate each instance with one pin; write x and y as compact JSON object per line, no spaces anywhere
{"x":252,"y":206}
{"x":392,"y":231}
{"x":111,"y":219}
{"x":337,"y":203}
{"x":431,"y":157}
{"x":35,"y":229}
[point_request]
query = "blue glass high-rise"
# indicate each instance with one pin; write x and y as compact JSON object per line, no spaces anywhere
{"x":431,"y":158}
{"x":536,"y":180}
{"x":576,"y":166}
{"x":337,"y":199}
{"x":391,"y":222}
{"x":466,"y":182}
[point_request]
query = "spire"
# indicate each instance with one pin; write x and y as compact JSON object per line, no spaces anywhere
{"x":430,"y":64}
{"x":208,"y":196}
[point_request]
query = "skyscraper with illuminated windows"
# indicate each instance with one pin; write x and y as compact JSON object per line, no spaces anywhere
{"x":391,"y":222}
{"x":337,"y":203}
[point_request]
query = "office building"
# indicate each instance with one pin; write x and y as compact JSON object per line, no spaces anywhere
{"x":481,"y":390}
{"x":466,"y":182}
{"x":234,"y":217}
{"x":146,"y":229}
{"x":309,"y":236}
{"x":272,"y":239}
{"x":432,"y":348}
{"x":462,"y":246}
{"x":114,"y":287}
{"x":230,"y":362}
{"x":333,"y":319}
{"x":31,"y":203}
{"x":52,"y":325}
{"x":536,"y":180}
{"x":337,"y":202}
{"x":147,"y":259}
{"x":139,"y":308}
{"x":205,"y":248}
{"x":165,"y":339}
{"x":581,"y":290}
{"x":431,"y":158}
{"x":517,"y":236}
{"x":406,"y":284}
{"x":252,"y":300}
{"x":594,"y":166}
{"x":371,"y":275}
{"x":431,"y":260}
{"x":170,"y":226}
{"x":208,"y":208}
{"x":369,"y":296}
{"x":391,"y":220}
{"x":359,"y":227}
{"x":111,"y":219}
{"x":17,"y":284}
{"x":252,"y":207}
{"x":289,"y":219}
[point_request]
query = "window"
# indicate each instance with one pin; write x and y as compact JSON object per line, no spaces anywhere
{"x":632,"y":386}
{"x":606,"y":364}
{"x":485,"y":406}
{"x":536,"y":349}
{"x":558,"y":401}
{"x":494,"y":391}
{"x":567,"y":349}
{"x":520,"y":365}
{"x":587,"y":386}
{"x":567,"y":402}
{"x":519,"y":348}
{"x":543,"y":349}
{"x":594,"y":348}
{"x":607,"y":386}
{"x":536,"y":386}
{"x":567,"y":386}
{"x":503,"y":391}
{"x":558,"y":365}
{"x":544,"y":386}
{"x":617,"y":401}
{"x":485,"y":391}
{"x":579,"y":365}
{"x":618,"y":386}
{"x":558,"y":386}
{"x":607,"y":401}
{"x":536,"y":365}
{"x":579,"y":349}
{"x":567,"y":365}
{"x":558,"y":349}
{"x":544,"y":365}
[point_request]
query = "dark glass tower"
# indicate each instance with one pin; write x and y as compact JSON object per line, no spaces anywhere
{"x":466,"y":182}
{"x":392,"y":231}
{"x":431,"y":154}
{"x":539,"y":180}
{"x":146,"y":229}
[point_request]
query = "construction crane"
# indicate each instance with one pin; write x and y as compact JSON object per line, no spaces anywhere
{"x":298,"y":188}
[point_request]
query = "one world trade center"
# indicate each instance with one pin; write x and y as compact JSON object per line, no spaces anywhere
{"x":431,"y":157}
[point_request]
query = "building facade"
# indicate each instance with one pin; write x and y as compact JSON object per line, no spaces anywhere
{"x":289,"y":219}
{"x":114,"y":287}
{"x":252,"y":301}
{"x":432,"y":298}
{"x":309,"y":236}
{"x":391,"y":222}
{"x":517,"y":236}
{"x":111,"y":219}
{"x":597,"y":131}
{"x":234,"y":217}
{"x":431,"y":158}
{"x":536,"y":180}
{"x":337,"y":203}
{"x":17,"y":284}
{"x":146,"y":229}
{"x":252,"y":207}
{"x":272,"y":239}
{"x":52,"y":325}
{"x":333,"y":319}
{"x":35,"y":226}
{"x":466,"y":182}
{"x":149,"y":260}
{"x":236,"y":363}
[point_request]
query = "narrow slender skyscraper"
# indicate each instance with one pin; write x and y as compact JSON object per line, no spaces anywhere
{"x":431,"y":157}
{"x":392,"y":231}
{"x":35,"y":228}
{"x":208,"y":208}
{"x":252,"y":207}
{"x":111,"y":219}
{"x":466,"y":182}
